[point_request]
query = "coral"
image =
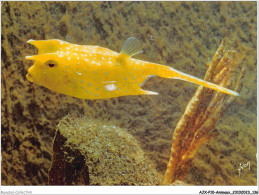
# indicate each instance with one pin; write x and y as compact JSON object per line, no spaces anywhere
{"x":100,"y":154}
{"x":201,"y":114}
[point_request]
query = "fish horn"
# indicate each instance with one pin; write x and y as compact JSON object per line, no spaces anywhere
{"x":30,"y":57}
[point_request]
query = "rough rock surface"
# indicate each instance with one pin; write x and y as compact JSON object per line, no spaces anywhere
{"x":92,"y":152}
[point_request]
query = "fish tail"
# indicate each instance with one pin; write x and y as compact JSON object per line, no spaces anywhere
{"x":175,"y":74}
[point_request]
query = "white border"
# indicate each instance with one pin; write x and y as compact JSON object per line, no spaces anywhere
{"x":114,"y":190}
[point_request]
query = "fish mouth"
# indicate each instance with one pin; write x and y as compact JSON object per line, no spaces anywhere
{"x":29,"y":77}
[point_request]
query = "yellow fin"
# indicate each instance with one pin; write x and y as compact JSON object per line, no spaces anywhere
{"x":148,"y":92}
{"x":131,"y":47}
{"x":192,"y":79}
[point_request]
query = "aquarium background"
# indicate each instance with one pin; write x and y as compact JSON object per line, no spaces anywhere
{"x":184,"y":35}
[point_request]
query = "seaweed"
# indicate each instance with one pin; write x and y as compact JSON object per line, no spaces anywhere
{"x":197,"y":125}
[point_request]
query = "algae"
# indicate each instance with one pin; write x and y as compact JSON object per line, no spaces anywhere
{"x":112,"y":156}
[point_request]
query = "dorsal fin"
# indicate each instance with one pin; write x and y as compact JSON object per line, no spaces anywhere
{"x":131,"y":47}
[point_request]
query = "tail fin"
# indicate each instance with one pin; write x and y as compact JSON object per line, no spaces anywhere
{"x":175,"y":74}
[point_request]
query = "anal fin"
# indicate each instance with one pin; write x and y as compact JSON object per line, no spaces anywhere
{"x":148,"y":92}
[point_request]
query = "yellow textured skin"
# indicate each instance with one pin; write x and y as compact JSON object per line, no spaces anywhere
{"x":94,"y":72}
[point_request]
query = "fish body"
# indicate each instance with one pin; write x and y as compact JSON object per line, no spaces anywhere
{"x":94,"y":72}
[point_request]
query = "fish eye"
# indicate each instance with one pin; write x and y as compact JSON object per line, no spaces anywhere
{"x":51,"y":63}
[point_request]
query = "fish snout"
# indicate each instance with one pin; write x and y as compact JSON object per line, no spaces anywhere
{"x":28,"y":75}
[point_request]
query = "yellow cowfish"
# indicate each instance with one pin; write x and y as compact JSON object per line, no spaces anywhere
{"x":94,"y":72}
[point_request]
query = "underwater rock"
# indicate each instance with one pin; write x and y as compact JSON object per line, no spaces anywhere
{"x":68,"y":167}
{"x":92,"y":152}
